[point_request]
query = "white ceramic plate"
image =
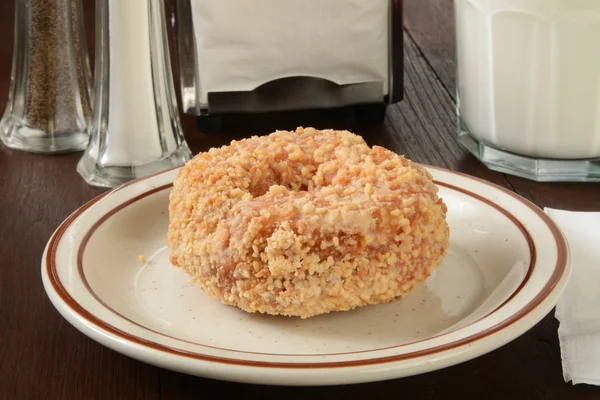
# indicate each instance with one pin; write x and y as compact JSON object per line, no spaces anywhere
{"x":505,"y":268}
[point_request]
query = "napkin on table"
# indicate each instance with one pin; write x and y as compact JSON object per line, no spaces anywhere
{"x":578,"y":309}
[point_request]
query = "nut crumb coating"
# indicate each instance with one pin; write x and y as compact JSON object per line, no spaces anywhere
{"x":304,"y":223}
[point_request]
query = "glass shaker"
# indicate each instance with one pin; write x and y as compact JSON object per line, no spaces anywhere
{"x":48,"y":107}
{"x":529,"y":86}
{"x":135,"y":129}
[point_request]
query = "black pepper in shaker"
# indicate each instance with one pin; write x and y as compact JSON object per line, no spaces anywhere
{"x":48,"y":108}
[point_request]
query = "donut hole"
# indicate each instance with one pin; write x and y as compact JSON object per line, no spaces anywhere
{"x":292,"y":183}
{"x":271,"y":187}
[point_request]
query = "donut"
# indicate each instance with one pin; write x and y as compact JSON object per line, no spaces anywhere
{"x":306,"y":222}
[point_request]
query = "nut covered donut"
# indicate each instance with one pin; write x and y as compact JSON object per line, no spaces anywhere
{"x":304,"y":223}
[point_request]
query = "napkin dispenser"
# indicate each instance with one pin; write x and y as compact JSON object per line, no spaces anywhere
{"x":248,"y":56}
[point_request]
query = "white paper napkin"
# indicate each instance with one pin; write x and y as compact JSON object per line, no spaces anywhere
{"x":242,"y":44}
{"x":578,"y":309}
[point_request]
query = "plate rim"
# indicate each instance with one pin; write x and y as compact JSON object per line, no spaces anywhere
{"x":559,"y":274}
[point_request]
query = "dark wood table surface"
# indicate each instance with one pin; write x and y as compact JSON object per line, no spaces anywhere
{"x":44,"y":357}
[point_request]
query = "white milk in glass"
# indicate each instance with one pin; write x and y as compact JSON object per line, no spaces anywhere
{"x":529,"y":75}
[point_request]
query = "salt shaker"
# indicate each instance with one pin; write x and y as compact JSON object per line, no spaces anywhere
{"x":135,"y":128}
{"x":48,"y":107}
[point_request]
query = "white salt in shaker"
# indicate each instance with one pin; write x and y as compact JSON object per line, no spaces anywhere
{"x":135,"y":129}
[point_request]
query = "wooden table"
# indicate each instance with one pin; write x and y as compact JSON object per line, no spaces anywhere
{"x":42,"y":356}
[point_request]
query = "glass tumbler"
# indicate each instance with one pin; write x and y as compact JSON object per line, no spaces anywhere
{"x":48,"y":107}
{"x":135,"y":129}
{"x":528,"y":86}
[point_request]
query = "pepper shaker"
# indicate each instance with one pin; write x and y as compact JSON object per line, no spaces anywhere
{"x":48,"y":108}
{"x":135,"y":129}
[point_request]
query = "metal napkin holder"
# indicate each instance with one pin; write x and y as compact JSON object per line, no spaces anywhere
{"x":290,"y":93}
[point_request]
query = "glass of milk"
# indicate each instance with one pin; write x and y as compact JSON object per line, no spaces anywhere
{"x":528,"y":86}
